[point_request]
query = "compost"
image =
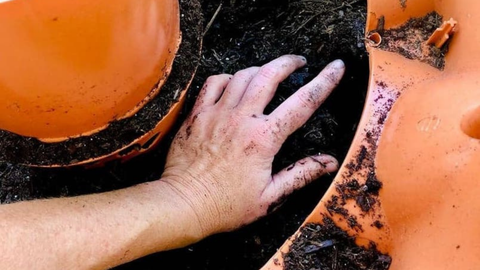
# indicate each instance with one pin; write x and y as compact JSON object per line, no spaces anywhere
{"x":410,"y":40}
{"x":244,"y":33}
{"x":325,"y":246}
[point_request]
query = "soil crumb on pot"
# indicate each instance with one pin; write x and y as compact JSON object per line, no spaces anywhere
{"x":410,"y":40}
{"x":326,"y":246}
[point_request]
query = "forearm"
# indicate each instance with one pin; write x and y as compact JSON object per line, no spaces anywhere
{"x":95,"y":231}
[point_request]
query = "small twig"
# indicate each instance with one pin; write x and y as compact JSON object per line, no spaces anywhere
{"x":348,"y":4}
{"x":177,"y":93}
{"x":216,"y":56}
{"x":323,"y":12}
{"x":114,"y":176}
{"x":306,"y":22}
{"x":213,"y":19}
{"x":334,"y":261}
{"x":7,"y":171}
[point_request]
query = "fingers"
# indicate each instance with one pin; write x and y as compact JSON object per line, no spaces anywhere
{"x":212,"y":90}
{"x":262,"y":88}
{"x":298,"y":175}
{"x":237,"y":87}
{"x":296,"y":110}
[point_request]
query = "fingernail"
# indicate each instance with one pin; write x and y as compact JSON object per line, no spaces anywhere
{"x":302,"y":58}
{"x":331,"y":164}
{"x":337,"y":64}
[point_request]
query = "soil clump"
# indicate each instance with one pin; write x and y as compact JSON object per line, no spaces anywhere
{"x":410,"y":40}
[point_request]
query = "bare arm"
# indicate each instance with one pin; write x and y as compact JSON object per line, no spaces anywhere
{"x":95,"y":231}
{"x":218,"y":177}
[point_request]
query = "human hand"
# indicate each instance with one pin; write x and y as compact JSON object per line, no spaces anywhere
{"x":220,"y":162}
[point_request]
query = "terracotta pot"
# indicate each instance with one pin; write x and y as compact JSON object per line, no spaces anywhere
{"x":72,"y":69}
{"x":419,"y":136}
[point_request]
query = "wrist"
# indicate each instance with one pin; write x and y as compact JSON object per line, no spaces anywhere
{"x":174,"y":223}
{"x":187,"y":208}
{"x":201,"y":204}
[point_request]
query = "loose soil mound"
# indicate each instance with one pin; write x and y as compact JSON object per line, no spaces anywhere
{"x":325,"y":246}
{"x":410,"y":40}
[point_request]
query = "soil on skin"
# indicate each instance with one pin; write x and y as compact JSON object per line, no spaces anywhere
{"x":245,"y":33}
{"x":410,"y":40}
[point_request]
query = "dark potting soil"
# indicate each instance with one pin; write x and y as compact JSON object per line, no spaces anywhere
{"x":121,"y":133}
{"x":245,"y":33}
{"x":410,"y":40}
{"x":325,"y":246}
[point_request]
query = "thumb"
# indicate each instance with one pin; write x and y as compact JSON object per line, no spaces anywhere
{"x":297,"y":176}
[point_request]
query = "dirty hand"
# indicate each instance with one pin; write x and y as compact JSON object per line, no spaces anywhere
{"x":220,"y":162}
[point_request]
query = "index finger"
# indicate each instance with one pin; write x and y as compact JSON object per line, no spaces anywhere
{"x":297,"y":109}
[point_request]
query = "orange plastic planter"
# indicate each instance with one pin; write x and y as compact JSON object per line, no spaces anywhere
{"x":419,"y":135}
{"x":69,"y":69}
